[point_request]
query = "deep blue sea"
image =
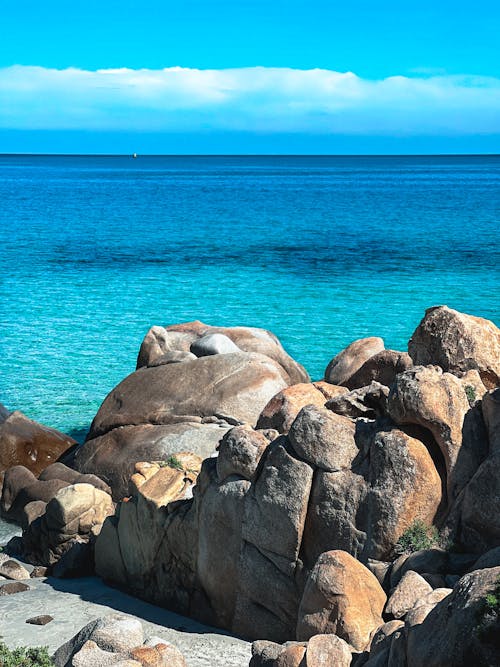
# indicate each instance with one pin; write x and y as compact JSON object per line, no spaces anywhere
{"x":321,"y":250}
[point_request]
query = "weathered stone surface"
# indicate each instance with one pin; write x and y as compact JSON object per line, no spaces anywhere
{"x":459,"y":628}
{"x":282,"y":409}
{"x":264,"y":653}
{"x":172,"y":357}
{"x":291,"y":656}
{"x":381,"y":367}
{"x":70,"y":517}
{"x":30,"y":444}
{"x":63,"y":472}
{"x":491,"y":413}
{"x":324,"y":650}
{"x":437,"y":401}
{"x":341,"y":597}
{"x":40,"y":620}
{"x":164,"y":654}
{"x":489,"y":559}
{"x":165,"y":483}
{"x":369,"y":402}
{"x":364,"y":511}
{"x":419,"y":612}
{"x":215,"y":343}
{"x":249,"y":339}
{"x":240,"y":451}
{"x":11,"y":569}
{"x":349,"y":360}
{"x":480,"y":516}
{"x":457,"y":342}
{"x":380,"y":639}
{"x":411,"y":590}
{"x":115,"y":633}
{"x":433,"y":561}
{"x":114,"y":455}
{"x":21,"y":487}
{"x":13,"y":587}
{"x":324,"y":439}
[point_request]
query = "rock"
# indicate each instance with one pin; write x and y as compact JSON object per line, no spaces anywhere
{"x":172,"y":357}
{"x":114,"y":455}
{"x":162,"y":484}
{"x":480,"y":519}
{"x":4,"y":413}
{"x":365,"y":510}
{"x":437,"y":401}
{"x":39,"y":571}
{"x":324,"y":439}
{"x":380,"y":639}
{"x":70,"y":517}
{"x":283,"y":408}
{"x":460,"y":628}
{"x":63,"y":472}
{"x":90,"y":655}
{"x":292,"y":655}
{"x":324,"y":650}
{"x":341,"y":597}
{"x":489,"y":559}
{"x":13,"y":587}
{"x":10,"y":569}
{"x":240,"y":451}
{"x":369,"y":402}
{"x":163,"y":654}
{"x":421,"y":610}
{"x":27,"y":443}
{"x":347,"y":362}
{"x":433,"y":561}
{"x":264,"y":653}
{"x":19,"y":491}
{"x":458,"y":343}
{"x":115,"y":633}
{"x":32,"y":511}
{"x":213,"y":344}
{"x":411,"y":590}
{"x":249,"y":339}
{"x":491,"y":412}
{"x":381,"y":368}
{"x":40,"y":620}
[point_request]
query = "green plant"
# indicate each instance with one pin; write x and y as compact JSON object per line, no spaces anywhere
{"x":171,"y":462}
{"x":24,"y":657}
{"x":492,"y":600}
{"x":470,"y":392}
{"x":416,"y":537}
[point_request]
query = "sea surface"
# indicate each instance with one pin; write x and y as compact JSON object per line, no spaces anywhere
{"x":321,"y":250}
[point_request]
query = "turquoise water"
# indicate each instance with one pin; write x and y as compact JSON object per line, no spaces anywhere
{"x":321,"y":251}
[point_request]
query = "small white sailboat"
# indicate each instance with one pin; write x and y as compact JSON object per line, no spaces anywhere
{"x":134,"y":155}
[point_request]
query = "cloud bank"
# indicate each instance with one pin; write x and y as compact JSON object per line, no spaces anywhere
{"x":254,"y":99}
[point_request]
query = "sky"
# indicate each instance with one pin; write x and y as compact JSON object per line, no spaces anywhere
{"x":254,"y":76}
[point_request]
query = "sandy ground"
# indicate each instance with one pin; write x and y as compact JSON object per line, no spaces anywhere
{"x":75,"y":602}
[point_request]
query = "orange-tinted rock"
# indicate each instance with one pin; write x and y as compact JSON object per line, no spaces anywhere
{"x":325,"y":650}
{"x":28,"y":443}
{"x":381,"y":367}
{"x":457,"y":342}
{"x":282,"y":409}
{"x":347,"y":362}
{"x":341,"y":597}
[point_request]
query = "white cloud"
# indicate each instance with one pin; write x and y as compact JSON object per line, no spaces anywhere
{"x":258,"y":99}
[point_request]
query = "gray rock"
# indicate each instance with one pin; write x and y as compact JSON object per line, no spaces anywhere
{"x":13,"y":587}
{"x":10,"y":569}
{"x":215,"y":343}
{"x":40,"y":620}
{"x":369,"y":402}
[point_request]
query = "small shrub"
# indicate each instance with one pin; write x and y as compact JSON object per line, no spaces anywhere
{"x":24,"y":657}
{"x":171,"y":462}
{"x":492,"y":600}
{"x":416,"y":537}
{"x":470,"y":392}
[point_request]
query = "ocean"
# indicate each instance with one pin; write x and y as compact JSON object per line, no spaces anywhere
{"x":321,"y":250}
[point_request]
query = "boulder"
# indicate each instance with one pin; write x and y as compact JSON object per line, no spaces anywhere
{"x":113,"y":456}
{"x":324,"y":439}
{"x":249,"y":339}
{"x":215,"y":343}
{"x":163,"y":654}
{"x":172,"y":357}
{"x":324,"y":650}
{"x":347,"y":362}
{"x":381,"y":367}
{"x":11,"y":569}
{"x":489,"y":559}
{"x":369,"y":402}
{"x":411,"y":590}
{"x":63,"y":472}
{"x":21,"y":488}
{"x":13,"y":587}
{"x":462,"y":628}
{"x":282,"y":409}
{"x":341,"y":597}
{"x":457,"y":342}
{"x":480,"y":518}
{"x":437,"y":401}
{"x":30,"y":444}
{"x":491,"y":412}
{"x":419,"y":612}
{"x":90,"y":655}
{"x":70,"y":517}
{"x":240,"y":451}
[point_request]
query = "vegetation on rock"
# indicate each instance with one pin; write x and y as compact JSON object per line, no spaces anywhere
{"x":416,"y":537}
{"x":470,"y":392}
{"x":171,"y":462}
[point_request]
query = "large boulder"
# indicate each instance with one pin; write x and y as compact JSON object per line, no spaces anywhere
{"x":348,"y":362}
{"x":341,"y":597}
{"x":463,"y":629}
{"x":185,"y":337}
{"x":28,"y":443}
{"x":458,"y":343}
{"x":381,"y":367}
{"x":438,"y":402}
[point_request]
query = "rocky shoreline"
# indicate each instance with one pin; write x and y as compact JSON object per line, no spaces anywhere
{"x":351,"y":521}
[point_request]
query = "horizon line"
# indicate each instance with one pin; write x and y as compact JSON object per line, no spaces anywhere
{"x":222,"y":155}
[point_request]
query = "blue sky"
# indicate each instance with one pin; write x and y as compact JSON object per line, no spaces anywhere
{"x":229,"y":77}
